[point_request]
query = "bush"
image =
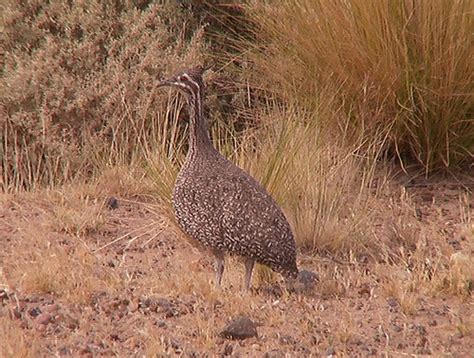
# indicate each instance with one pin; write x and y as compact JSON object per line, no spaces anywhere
{"x":77,"y":84}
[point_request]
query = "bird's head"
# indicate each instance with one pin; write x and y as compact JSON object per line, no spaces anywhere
{"x":189,"y":81}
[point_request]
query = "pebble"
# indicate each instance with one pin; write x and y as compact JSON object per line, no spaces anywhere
{"x":35,"y":311}
{"x":111,"y":203}
{"x":396,"y":328}
{"x":241,"y":327}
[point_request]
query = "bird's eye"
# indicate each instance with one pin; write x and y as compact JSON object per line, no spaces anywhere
{"x":182,"y":78}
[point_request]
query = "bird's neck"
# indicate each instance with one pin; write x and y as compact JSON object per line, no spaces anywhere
{"x":199,"y":140}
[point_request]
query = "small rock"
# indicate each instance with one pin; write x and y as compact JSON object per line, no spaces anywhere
{"x":307,"y":278}
{"x":304,"y":282}
{"x":111,"y":203}
{"x":44,"y":318}
{"x":396,"y":328}
{"x":35,"y":311}
{"x":159,"y":305}
{"x":240,"y":328}
{"x":274,"y":353}
{"x":455,"y":244}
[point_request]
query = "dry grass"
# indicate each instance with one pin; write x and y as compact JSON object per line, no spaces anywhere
{"x":77,"y":85}
{"x":102,"y":283}
{"x":402,"y":68}
{"x":82,"y":117}
{"x":46,"y":262}
{"x":14,"y":342}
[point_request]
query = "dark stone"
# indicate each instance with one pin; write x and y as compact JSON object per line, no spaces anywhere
{"x":307,"y":278}
{"x":35,"y":311}
{"x":240,"y":328}
{"x":455,"y":244}
{"x":111,"y":203}
{"x":303,"y":283}
{"x":159,"y":305}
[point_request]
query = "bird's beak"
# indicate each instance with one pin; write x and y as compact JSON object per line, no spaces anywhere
{"x":163,"y":83}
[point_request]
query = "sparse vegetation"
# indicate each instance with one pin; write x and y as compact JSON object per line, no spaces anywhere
{"x":319,"y":100}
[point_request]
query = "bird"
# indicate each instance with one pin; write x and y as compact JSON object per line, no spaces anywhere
{"x":220,"y":205}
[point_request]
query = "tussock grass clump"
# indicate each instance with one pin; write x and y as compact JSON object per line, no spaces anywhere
{"x":319,"y":185}
{"x":400,"y":68}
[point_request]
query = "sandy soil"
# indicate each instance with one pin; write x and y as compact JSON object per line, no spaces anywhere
{"x":151,"y":292}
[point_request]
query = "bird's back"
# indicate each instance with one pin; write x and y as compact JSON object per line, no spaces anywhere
{"x":224,"y":208}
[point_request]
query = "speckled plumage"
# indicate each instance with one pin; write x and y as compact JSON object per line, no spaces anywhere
{"x":220,"y":205}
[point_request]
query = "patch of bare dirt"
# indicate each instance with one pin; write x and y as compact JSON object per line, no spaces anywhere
{"x":69,"y":290}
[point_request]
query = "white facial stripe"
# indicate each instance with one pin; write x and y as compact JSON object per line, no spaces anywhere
{"x":179,"y":84}
{"x":197,"y":91}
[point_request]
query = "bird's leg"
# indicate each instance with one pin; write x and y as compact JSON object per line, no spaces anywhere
{"x":248,"y":273}
{"x":219,"y":269}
